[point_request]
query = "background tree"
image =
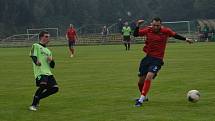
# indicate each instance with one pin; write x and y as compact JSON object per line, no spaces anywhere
{"x":18,"y":15}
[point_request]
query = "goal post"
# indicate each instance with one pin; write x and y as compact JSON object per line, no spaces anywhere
{"x":180,"y":26}
{"x":53,"y":31}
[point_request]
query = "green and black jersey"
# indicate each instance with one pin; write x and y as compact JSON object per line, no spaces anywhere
{"x":126,"y":31}
{"x":41,"y":53}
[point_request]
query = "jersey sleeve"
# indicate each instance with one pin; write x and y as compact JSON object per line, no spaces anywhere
{"x":170,"y":32}
{"x":143,"y":31}
{"x":34,"y":50}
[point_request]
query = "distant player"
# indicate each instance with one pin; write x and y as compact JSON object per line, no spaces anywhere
{"x":42,"y":63}
{"x":71,"y":36}
{"x":126,"y":33}
{"x":155,"y":44}
{"x":105,"y":33}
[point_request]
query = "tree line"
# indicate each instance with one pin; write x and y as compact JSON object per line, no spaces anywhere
{"x":18,"y":15}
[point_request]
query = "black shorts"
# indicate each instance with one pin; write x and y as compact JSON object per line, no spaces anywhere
{"x":150,"y":64}
{"x":71,"y":43}
{"x":46,"y":80}
{"x":126,"y":39}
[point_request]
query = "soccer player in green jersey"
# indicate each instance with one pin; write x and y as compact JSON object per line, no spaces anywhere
{"x":42,"y":64}
{"x":126,"y":33}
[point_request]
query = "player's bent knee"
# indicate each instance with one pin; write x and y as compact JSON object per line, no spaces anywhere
{"x":150,"y":76}
{"x":55,"y":89}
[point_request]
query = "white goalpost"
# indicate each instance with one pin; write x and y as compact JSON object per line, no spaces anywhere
{"x":180,"y":26}
{"x":53,"y":31}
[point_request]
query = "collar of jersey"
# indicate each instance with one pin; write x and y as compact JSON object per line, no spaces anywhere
{"x":42,"y":45}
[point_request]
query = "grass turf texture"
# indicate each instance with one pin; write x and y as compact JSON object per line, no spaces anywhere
{"x":100,"y":84}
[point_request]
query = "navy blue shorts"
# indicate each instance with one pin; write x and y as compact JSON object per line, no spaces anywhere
{"x":46,"y":80}
{"x":71,"y":43}
{"x":150,"y":64}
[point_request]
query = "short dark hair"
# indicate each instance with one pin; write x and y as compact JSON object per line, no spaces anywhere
{"x":41,"y":34}
{"x":156,"y":19}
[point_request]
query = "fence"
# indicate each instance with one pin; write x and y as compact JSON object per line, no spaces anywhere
{"x":91,"y":34}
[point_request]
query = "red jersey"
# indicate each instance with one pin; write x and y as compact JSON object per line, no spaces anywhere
{"x":71,"y":33}
{"x":155,"y":43}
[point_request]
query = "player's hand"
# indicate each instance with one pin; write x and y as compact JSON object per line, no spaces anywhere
{"x":38,"y":63}
{"x":190,"y":41}
{"x":139,"y":22}
{"x":49,"y":58}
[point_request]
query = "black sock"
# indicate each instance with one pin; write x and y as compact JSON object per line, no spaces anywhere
{"x":128,"y":46}
{"x":36,"y":96}
{"x":48,"y":92}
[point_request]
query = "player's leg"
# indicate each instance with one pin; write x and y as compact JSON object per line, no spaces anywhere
{"x":51,"y":89}
{"x":143,"y":70}
{"x":129,"y":42}
{"x":152,"y":70}
{"x":41,"y":84}
{"x":141,"y":82}
{"x":36,"y":95}
{"x":145,"y":89}
{"x":140,"y":86}
{"x":146,"y":86}
{"x":70,"y":47}
{"x":125,"y":43}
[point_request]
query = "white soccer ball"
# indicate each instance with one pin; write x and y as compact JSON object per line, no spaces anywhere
{"x":193,"y":96}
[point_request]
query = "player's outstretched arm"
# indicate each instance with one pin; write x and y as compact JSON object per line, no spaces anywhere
{"x":177,"y":36}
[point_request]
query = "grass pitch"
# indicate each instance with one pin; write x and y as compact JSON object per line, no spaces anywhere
{"x":100,"y":84}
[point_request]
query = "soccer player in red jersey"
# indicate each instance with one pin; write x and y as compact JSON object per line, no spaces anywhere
{"x":71,"y":36}
{"x":155,"y":44}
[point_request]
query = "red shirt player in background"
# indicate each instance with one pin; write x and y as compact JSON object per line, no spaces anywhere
{"x":71,"y":36}
{"x":155,"y":44}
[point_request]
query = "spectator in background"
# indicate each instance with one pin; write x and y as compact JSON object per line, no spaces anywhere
{"x":72,"y":37}
{"x":126,"y":33}
{"x":205,"y":32}
{"x":133,"y":26}
{"x":105,"y":32}
{"x":120,"y":25}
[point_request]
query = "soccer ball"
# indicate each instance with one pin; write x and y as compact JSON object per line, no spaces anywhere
{"x":193,"y":96}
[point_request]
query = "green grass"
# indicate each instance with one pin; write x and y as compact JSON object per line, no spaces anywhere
{"x":100,"y":84}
